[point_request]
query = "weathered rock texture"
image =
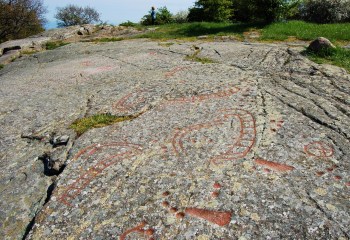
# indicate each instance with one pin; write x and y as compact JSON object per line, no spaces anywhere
{"x":11,"y":49}
{"x":254,"y":146}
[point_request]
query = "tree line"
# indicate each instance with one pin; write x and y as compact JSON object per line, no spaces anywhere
{"x":267,"y":11}
{"x":22,"y":18}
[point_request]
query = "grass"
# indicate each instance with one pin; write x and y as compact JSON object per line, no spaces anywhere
{"x":82,"y":125}
{"x":2,"y":66}
{"x":194,"y":58}
{"x":279,"y":31}
{"x":108,"y":39}
{"x":54,"y":45}
{"x":167,"y":44}
{"x":338,"y":56}
{"x":306,"y":31}
{"x":189,"y":31}
{"x":29,"y":52}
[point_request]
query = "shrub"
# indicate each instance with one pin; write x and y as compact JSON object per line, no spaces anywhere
{"x":180,"y":17}
{"x":21,"y":18}
{"x":75,"y":15}
{"x":326,"y":11}
{"x":163,"y":17}
{"x":128,"y":24}
{"x":260,"y":10}
{"x":211,"y":11}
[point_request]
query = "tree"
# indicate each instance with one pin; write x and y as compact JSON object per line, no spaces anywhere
{"x":263,"y":10}
{"x":21,"y":18}
{"x":163,"y":16}
{"x":326,"y":11}
{"x":75,"y":15}
{"x":211,"y":10}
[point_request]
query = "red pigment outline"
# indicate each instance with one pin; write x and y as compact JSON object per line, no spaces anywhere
{"x":100,"y":69}
{"x":229,"y":154}
{"x":95,"y":147}
{"x":121,"y":104}
{"x":241,"y":115}
{"x":187,"y":130}
{"x":319,"y":146}
{"x":173,"y":71}
{"x":219,"y":218}
{"x":139,"y":228}
{"x":279,"y":167}
{"x":75,"y":188}
{"x":221,"y":94}
{"x":86,"y":63}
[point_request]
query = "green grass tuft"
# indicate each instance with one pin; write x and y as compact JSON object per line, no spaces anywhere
{"x":2,"y":66}
{"x":199,"y":59}
{"x":338,"y":56}
{"x":306,"y":31}
{"x":189,"y":31}
{"x":109,"y":39}
{"x":166,"y":44}
{"x":278,"y":31}
{"x":82,"y":125}
{"x":194,"y":58}
{"x":54,"y":45}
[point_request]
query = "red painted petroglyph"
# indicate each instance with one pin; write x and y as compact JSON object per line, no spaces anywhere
{"x":165,"y":204}
{"x":124,"y":150}
{"x":149,"y":232}
{"x":99,"y":69}
{"x":87,"y":63}
{"x":203,"y":97}
{"x":215,"y":194}
{"x":139,"y":229}
{"x":216,"y":217}
{"x":173,"y":71}
{"x":279,"y":167}
{"x":319,"y":149}
{"x":276,"y":124}
{"x":130,"y":100}
{"x":245,"y":140}
{"x":238,"y":150}
{"x":94,"y":148}
{"x":173,"y":209}
{"x":180,"y":215}
{"x":337,"y":178}
{"x":320,"y":173}
{"x":166,"y":193}
{"x":347,"y":184}
{"x":217,"y":185}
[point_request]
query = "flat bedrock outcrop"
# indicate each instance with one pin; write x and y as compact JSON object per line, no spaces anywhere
{"x":253,"y":145}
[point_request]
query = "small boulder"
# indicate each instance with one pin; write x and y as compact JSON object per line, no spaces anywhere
{"x":320,"y":44}
{"x":59,"y":140}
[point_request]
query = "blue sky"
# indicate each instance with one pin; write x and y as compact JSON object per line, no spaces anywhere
{"x":117,"y":11}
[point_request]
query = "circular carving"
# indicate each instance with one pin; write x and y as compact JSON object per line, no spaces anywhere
{"x":319,"y":149}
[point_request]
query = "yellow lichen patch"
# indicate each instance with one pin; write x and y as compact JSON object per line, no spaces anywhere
{"x":203,"y":237}
{"x":331,"y":207}
{"x":320,"y":191}
{"x":255,"y":217}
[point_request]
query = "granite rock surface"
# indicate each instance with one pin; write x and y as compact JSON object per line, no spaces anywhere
{"x":252,"y":146}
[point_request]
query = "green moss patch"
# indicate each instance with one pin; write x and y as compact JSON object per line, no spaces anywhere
{"x":82,"y":125}
{"x":54,"y":45}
